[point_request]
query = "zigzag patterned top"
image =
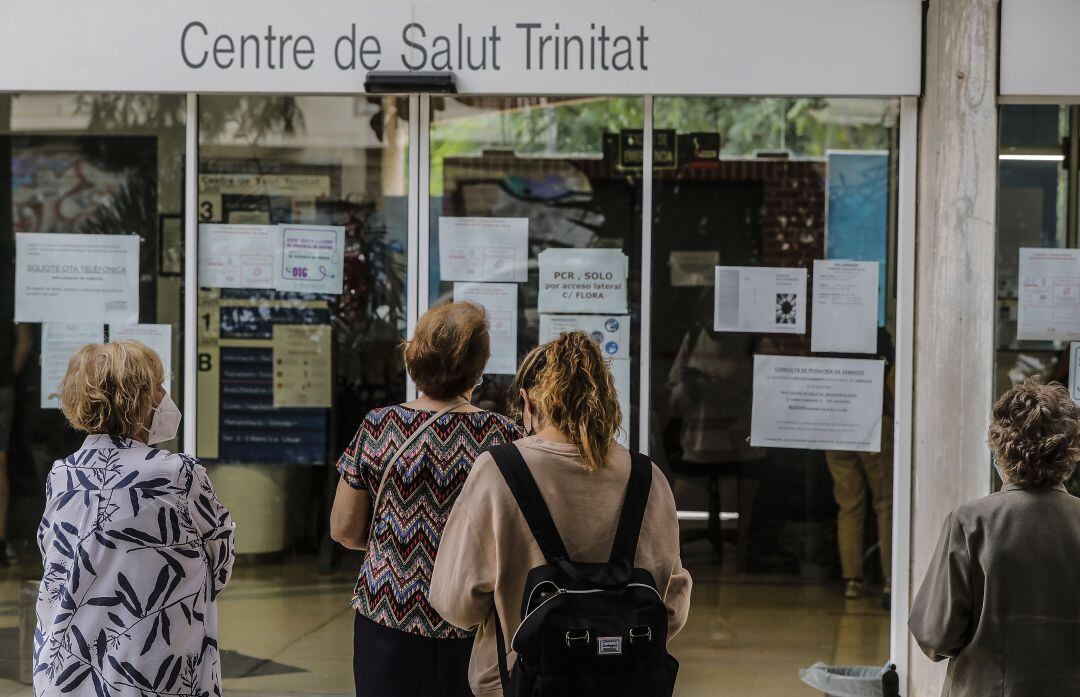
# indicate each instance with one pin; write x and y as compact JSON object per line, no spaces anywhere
{"x":393,"y":585}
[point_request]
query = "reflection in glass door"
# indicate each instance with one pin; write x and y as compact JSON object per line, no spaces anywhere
{"x":561,"y":177}
{"x":789,"y":546}
{"x":298,"y":338}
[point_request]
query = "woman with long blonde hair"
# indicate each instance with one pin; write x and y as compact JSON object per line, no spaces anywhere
{"x":565,"y":396}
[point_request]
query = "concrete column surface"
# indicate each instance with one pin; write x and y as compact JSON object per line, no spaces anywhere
{"x":954,"y":312}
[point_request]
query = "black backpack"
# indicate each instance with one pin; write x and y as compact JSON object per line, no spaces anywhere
{"x":587,"y":630}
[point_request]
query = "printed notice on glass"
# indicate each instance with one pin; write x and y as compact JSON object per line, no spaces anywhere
{"x":611,"y":333}
{"x":484,"y":249}
{"x":620,"y":371}
{"x":238,"y":256}
{"x":312,"y":259}
{"x":583,"y":281}
{"x":692,"y":268}
{"x":1049,"y":294}
{"x":760,"y":299}
{"x":845,"y":307}
{"x":76,"y":278}
{"x":817,"y":403}
{"x":500,"y":302}
{"x":59,"y":342}
{"x":156,"y":336}
{"x":301,"y":355}
{"x":1074,"y":371}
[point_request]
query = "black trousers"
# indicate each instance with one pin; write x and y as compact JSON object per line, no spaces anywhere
{"x":392,"y":663}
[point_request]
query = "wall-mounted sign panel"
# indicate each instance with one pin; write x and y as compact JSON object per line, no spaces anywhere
{"x":791,"y":47}
{"x":1039,"y":52}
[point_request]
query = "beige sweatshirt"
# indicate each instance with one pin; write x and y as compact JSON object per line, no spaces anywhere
{"x":487,"y":549}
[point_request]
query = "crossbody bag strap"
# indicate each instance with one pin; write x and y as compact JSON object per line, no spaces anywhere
{"x":624,"y":548}
{"x":401,"y":451}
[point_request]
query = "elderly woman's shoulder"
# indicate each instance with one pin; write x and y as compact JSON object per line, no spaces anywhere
{"x":1011,"y":498}
{"x":119,"y":464}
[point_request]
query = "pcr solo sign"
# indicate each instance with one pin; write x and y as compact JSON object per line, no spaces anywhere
{"x":538,"y":46}
{"x":583,"y":281}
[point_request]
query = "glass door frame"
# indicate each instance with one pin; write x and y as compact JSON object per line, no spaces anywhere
{"x":417,"y":303}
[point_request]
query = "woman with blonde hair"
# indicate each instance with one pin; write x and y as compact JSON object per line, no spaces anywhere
{"x":400,"y":477}
{"x":135,"y":545}
{"x":999,"y":599}
{"x":565,"y":395}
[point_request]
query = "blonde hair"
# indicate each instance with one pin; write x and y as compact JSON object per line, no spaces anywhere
{"x":110,"y":388}
{"x":573,"y":390}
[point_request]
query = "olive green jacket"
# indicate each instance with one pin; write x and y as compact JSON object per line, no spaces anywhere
{"x":1001,"y":599}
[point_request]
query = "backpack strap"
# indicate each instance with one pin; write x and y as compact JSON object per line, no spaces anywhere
{"x":633,"y":509}
{"x":529,"y":500}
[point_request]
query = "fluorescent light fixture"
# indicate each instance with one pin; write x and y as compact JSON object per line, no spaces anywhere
{"x":704,"y":515}
{"x":1033,"y":158}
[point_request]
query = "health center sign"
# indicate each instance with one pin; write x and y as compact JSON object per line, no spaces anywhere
{"x":823,"y":47}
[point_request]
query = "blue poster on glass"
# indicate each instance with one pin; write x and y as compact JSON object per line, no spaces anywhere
{"x":857,"y":217}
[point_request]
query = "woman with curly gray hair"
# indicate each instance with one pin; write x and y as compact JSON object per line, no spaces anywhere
{"x":999,"y":599}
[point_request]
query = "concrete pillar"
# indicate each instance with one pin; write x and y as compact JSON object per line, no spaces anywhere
{"x":955,"y":238}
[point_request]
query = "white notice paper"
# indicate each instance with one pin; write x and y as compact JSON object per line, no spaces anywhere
{"x":620,"y":371}
{"x":76,"y":278}
{"x":591,"y":280}
{"x":845,"y":307}
{"x":760,"y":299}
{"x":59,"y":342}
{"x":312,"y":259}
{"x":817,"y":403}
{"x":484,"y":249}
{"x":500,"y":302}
{"x":692,"y":268}
{"x":238,"y":256}
{"x":301,"y":355}
{"x":610,"y":332}
{"x":156,"y":336}
{"x":1049,"y":294}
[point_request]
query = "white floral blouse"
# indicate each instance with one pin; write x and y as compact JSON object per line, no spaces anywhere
{"x":136,"y":548}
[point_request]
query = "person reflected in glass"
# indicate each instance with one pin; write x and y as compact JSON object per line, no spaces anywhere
{"x":400,"y":478}
{"x":135,"y":545}
{"x":711,"y":386}
{"x":860,"y":477}
{"x":998,"y":600}
{"x":565,"y":395}
{"x":16,"y":342}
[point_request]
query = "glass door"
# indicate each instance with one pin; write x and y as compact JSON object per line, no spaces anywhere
{"x":303,"y":230}
{"x":773,"y":265}
{"x":535,"y":212}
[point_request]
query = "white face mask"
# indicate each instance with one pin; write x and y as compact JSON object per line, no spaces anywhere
{"x":165,"y":423}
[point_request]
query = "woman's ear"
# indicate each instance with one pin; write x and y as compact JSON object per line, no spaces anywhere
{"x":528,"y":418}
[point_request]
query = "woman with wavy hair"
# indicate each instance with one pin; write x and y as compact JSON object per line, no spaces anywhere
{"x":135,"y":545}
{"x":1000,"y":599}
{"x":565,"y":396}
